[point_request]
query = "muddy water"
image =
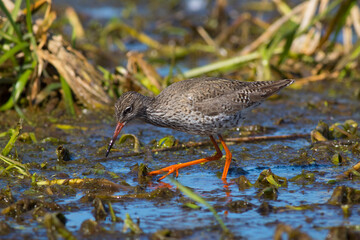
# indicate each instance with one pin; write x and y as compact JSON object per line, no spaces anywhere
{"x":86,"y":141}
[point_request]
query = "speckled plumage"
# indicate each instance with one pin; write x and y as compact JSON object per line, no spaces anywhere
{"x":204,"y":106}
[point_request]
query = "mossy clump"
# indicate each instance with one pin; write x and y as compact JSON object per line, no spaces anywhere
{"x":267,"y":178}
{"x":344,"y":195}
{"x":265,"y":209}
{"x":305,"y":178}
{"x":343,"y":232}
{"x":239,"y":206}
{"x":243,"y":183}
{"x":345,"y":130}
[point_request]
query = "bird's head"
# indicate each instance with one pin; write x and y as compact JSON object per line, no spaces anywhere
{"x":128,"y":107}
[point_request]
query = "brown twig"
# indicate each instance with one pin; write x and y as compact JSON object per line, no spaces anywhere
{"x":205,"y":35}
{"x":268,"y":138}
{"x":208,"y":143}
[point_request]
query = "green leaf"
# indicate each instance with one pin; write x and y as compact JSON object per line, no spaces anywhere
{"x":108,"y":77}
{"x":69,"y":103}
{"x":20,"y":168}
{"x":22,"y":115}
{"x":341,"y":16}
{"x":124,"y":137}
{"x":166,"y":142}
{"x":129,"y":224}
{"x":8,"y":37}
{"x":272,"y":181}
{"x":12,"y":140}
{"x":145,"y":81}
{"x":18,"y":88}
{"x":290,"y":36}
{"x":16,"y":9}
{"x":217,"y":66}
{"x":13,"y":51}
{"x":8,"y":132}
{"x":191,"y":205}
{"x":29,"y":26}
{"x":112,"y":213}
{"x":11,"y":20}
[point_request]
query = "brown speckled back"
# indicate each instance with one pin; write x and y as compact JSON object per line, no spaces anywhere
{"x":208,"y":105}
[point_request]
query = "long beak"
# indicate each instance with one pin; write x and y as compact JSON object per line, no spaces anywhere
{"x":118,"y":128}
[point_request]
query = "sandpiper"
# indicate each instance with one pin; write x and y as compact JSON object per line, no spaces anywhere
{"x":204,"y":106}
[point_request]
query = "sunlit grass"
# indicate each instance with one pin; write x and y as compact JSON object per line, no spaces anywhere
{"x":301,"y":34}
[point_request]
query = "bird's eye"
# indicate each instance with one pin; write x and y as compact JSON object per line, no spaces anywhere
{"x":127,"y":110}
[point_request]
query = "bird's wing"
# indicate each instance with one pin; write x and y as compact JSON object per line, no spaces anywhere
{"x":236,"y":97}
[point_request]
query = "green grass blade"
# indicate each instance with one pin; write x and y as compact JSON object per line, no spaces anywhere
{"x":11,"y":20}
{"x":129,"y":223}
{"x":342,"y":15}
{"x":8,"y":132}
{"x":200,"y":200}
{"x":21,"y":168}
{"x":287,"y":32}
{"x":8,"y":36}
{"x":13,"y":51}
{"x":29,"y":26}
{"x":73,"y":37}
{"x":112,"y":213}
{"x":221,"y":64}
{"x":224,"y":64}
{"x":33,"y":137}
{"x":145,"y":81}
{"x":12,"y":140}
{"x":21,"y":83}
{"x":52,"y":87}
{"x":22,"y":115}
{"x":108,"y":77}
{"x":69,"y":103}
{"x":289,"y":40}
{"x":28,"y":17}
{"x":269,"y":50}
{"x":16,"y":9}
{"x":18,"y":88}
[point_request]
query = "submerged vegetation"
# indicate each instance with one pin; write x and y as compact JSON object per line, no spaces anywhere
{"x":61,"y":71}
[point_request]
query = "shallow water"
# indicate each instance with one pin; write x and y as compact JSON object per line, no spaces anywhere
{"x":87,"y":148}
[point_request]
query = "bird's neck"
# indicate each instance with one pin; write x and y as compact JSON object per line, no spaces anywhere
{"x":146,"y":103}
{"x":155,"y":114}
{"x":148,"y":100}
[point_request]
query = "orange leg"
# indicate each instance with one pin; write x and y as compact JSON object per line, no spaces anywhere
{"x":176,"y":167}
{"x":227,"y":159}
